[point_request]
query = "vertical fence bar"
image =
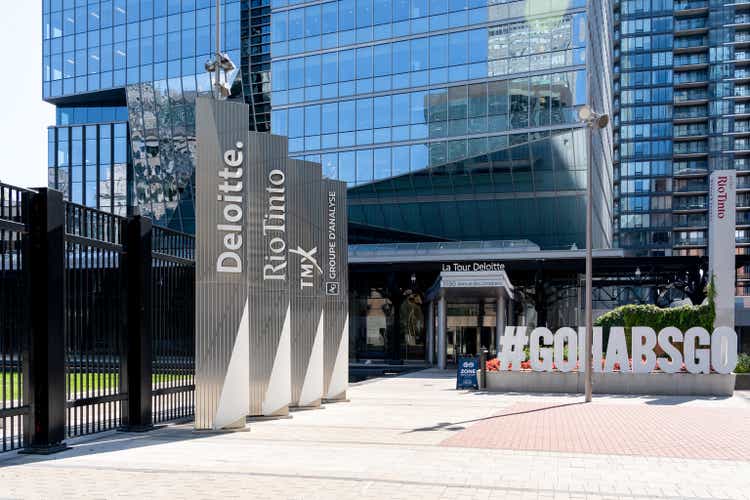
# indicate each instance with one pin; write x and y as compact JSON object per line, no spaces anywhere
{"x":45,"y":384}
{"x":138,"y":365}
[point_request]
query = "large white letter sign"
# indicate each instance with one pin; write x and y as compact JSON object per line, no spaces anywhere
{"x":545,"y":364}
{"x":724,"y":349}
{"x":701,"y":353}
{"x":563,"y":336}
{"x":697,"y":360}
{"x":673,"y":364}
{"x":511,"y":347}
{"x":644,"y":341}
{"x":617,"y":350}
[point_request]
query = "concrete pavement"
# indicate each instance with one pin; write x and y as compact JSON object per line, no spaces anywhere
{"x":415,"y":436}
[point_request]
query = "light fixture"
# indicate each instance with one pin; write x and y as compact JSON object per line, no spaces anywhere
{"x":638,"y":273}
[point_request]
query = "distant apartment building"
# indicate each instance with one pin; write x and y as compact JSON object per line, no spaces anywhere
{"x":682,"y":109}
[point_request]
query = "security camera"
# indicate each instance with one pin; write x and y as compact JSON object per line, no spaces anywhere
{"x":226,"y":63}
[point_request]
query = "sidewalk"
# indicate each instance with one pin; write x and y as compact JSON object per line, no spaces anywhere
{"x":416,"y":437}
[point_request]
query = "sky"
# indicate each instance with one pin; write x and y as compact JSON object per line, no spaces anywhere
{"x":24,"y":117}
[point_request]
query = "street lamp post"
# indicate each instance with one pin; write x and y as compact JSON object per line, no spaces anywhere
{"x":222,"y":62}
{"x":593,"y":121}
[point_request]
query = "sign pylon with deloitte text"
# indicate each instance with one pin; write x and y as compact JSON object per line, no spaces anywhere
{"x":221,"y":295}
{"x":261,"y":248}
{"x":721,"y":243}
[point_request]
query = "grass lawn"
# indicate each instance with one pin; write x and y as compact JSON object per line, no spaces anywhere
{"x":78,"y":382}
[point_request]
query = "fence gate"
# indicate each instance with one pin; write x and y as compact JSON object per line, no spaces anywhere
{"x":95,"y":319}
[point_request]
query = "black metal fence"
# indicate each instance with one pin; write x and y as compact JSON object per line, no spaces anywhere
{"x":173,"y":296}
{"x":14,"y":317}
{"x":96,"y":321}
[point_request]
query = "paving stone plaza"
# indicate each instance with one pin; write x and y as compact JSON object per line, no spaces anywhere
{"x":413,"y":437}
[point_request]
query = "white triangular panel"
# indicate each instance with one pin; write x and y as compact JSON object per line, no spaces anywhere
{"x":279,"y":391}
{"x":234,"y":402}
{"x":312,"y":388}
{"x":340,"y":376}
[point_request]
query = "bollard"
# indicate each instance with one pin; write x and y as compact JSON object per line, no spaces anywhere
{"x":483,"y":367}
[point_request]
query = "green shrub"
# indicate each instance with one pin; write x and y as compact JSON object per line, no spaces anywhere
{"x":684,"y":317}
{"x":743,"y":363}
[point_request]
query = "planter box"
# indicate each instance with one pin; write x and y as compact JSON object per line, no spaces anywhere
{"x":672,"y":384}
{"x":743,"y":382}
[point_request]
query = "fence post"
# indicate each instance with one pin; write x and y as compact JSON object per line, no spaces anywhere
{"x":45,"y":382}
{"x":138,"y":352}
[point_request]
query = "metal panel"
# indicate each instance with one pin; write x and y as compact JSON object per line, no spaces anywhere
{"x":721,"y":243}
{"x":306,"y":293}
{"x":268,"y":275}
{"x":222,"y":344}
{"x":336,"y":285}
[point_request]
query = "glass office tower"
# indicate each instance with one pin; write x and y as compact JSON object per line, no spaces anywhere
{"x":449,"y":119}
{"x":124,"y":75}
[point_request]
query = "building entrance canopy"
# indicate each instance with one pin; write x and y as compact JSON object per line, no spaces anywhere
{"x":464,"y":287}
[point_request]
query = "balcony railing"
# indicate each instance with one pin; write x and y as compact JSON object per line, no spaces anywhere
{"x":690,"y":5}
{"x":686,"y":113}
{"x":687,"y":187}
{"x":691,"y":221}
{"x":683,"y":148}
{"x":690,"y":242}
{"x":687,"y":60}
{"x":689,"y":24}
{"x":690,"y":131}
{"x":690,"y":95}
{"x":690,"y":167}
{"x":692,"y":77}
{"x":688,"y":43}
{"x":692,"y":205}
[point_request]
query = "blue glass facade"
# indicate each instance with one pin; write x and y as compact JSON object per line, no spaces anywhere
{"x":141,"y":62}
{"x":467,"y":92}
{"x":479,"y":97}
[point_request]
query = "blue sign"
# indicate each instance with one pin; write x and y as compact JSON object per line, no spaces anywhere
{"x":467,"y":373}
